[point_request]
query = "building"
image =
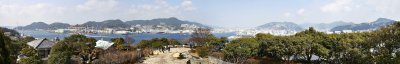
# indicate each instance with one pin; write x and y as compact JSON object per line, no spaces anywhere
{"x":337,"y":32}
{"x":43,"y":46}
{"x":347,"y":31}
{"x":103,"y":44}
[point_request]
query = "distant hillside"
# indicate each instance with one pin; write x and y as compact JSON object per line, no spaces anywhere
{"x":107,"y":24}
{"x":174,"y":22}
{"x":381,"y":22}
{"x":58,"y":25}
{"x":42,"y":25}
{"x":289,"y":26}
{"x":35,"y":25}
{"x":167,"y":21}
{"x":327,"y":26}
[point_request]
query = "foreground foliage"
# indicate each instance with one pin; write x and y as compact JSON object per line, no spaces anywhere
{"x":310,"y":46}
{"x":5,"y":57}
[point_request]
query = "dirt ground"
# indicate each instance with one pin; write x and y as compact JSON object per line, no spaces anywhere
{"x":168,"y":57}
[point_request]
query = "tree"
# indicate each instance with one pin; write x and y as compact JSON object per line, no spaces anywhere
{"x":60,"y":53}
{"x":75,"y":38}
{"x":262,"y":36}
{"x":82,"y":47}
{"x":173,"y":42}
{"x":15,"y":46}
{"x":386,"y":43}
{"x":32,"y":56}
{"x":265,"y":42}
{"x":312,"y":40}
{"x":199,"y":36}
{"x":224,"y":39}
{"x":380,"y":46}
{"x":144,"y":44}
{"x":213,"y":43}
{"x":28,"y":39}
{"x":321,"y":51}
{"x":4,"y":49}
{"x":118,"y":43}
{"x":203,"y":51}
{"x":157,"y":43}
{"x":241,"y":49}
{"x":88,"y":53}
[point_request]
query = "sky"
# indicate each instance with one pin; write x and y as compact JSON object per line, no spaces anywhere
{"x":222,"y":13}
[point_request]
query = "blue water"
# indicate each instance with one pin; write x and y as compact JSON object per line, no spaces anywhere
{"x":137,"y":37}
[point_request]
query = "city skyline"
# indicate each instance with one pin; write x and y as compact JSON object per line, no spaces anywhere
{"x":224,"y":13}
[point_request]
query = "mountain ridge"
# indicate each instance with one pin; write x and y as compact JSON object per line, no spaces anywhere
{"x":380,"y":22}
{"x":280,"y":26}
{"x":326,"y":26}
{"x":114,"y":23}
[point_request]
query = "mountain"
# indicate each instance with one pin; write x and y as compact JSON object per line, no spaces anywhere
{"x":380,"y":22}
{"x":93,"y":24}
{"x":288,"y":26}
{"x":58,"y":25}
{"x":35,"y":25}
{"x":166,"y":21}
{"x":9,"y":27}
{"x":326,"y":26}
{"x":42,"y":25}
{"x":107,"y":24}
{"x":171,"y":22}
{"x":115,"y":24}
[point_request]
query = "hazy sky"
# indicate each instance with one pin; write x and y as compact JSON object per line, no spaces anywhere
{"x":225,"y":13}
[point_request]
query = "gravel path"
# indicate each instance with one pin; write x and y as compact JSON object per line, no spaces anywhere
{"x":167,"y":57}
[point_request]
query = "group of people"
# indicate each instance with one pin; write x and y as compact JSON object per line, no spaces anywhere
{"x":164,"y":48}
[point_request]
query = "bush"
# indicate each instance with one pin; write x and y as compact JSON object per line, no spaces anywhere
{"x":31,"y":56}
{"x":60,"y":53}
{"x":181,"y":56}
{"x":202,"y":51}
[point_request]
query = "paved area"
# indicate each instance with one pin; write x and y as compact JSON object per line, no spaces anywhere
{"x":168,"y":57}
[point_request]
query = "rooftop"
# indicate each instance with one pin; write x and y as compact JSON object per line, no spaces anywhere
{"x":41,"y":43}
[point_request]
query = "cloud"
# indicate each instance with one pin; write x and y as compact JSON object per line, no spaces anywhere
{"x":187,"y":5}
{"x":301,"y":11}
{"x":25,"y":14}
{"x":161,"y":8}
{"x":338,"y":6}
{"x":31,"y":10}
{"x":287,"y":14}
{"x":385,"y":6}
{"x":97,"y":5}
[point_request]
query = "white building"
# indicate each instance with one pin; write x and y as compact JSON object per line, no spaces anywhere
{"x":347,"y":31}
{"x":103,"y":44}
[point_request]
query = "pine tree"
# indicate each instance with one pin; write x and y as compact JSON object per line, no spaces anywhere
{"x":4,"y":51}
